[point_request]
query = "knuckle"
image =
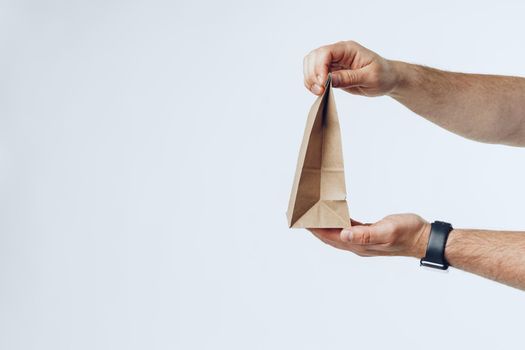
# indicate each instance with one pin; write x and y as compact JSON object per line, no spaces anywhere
{"x":323,"y":60}
{"x":367,"y":237}
{"x":319,"y":53}
{"x":323,"y":51}
{"x":363,"y":238}
{"x":351,"y":77}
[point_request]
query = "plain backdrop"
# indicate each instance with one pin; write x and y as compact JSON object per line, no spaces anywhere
{"x":147,"y":152}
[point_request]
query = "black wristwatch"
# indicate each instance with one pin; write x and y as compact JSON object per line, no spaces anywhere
{"x":437,"y":240}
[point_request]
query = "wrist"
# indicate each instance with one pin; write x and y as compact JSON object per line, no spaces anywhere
{"x":404,"y":77}
{"x":451,"y":250}
{"x":420,"y":246}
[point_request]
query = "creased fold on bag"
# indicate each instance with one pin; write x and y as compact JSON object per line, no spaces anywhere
{"x":318,"y":198}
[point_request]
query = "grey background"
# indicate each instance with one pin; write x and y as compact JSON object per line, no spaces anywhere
{"x":147,"y":151}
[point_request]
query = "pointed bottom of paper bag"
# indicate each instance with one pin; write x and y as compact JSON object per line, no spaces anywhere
{"x":325,"y":214}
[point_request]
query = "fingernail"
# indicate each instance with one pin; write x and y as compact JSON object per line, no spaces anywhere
{"x":335,"y":80}
{"x":316,"y":89}
{"x":320,"y":79}
{"x":346,"y":235}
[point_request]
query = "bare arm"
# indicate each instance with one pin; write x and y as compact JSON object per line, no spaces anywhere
{"x":497,"y":255}
{"x":486,"y":108}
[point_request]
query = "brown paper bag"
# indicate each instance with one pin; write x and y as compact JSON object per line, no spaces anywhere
{"x":318,"y":198}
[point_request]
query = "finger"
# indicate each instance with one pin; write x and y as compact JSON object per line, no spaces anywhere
{"x":305,"y":72}
{"x":329,"y":234}
{"x":357,"y":223}
{"x":309,"y":80}
{"x":307,"y":65}
{"x":319,"y":236}
{"x":326,"y":237}
{"x":333,"y":57}
{"x":342,"y":53}
{"x":334,"y":67}
{"x":362,"y":235}
{"x":348,"y":78}
{"x":323,"y":61}
{"x":315,"y":87}
{"x":331,"y":237}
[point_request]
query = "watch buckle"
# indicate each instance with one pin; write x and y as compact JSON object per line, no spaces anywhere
{"x":433,"y":265}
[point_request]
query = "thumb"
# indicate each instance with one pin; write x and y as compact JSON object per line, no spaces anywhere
{"x":348,"y":77}
{"x":362,"y":234}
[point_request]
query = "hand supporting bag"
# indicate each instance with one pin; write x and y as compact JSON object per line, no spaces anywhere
{"x":318,"y":198}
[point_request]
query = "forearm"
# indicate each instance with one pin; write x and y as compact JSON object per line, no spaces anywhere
{"x":496,"y":255}
{"x":486,"y":108}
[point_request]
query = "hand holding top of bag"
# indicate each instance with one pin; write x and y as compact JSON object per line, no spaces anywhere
{"x":355,"y":69}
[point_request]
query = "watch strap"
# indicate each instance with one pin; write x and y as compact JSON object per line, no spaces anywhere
{"x":437,"y":241}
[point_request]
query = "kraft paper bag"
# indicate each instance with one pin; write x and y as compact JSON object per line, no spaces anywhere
{"x":318,"y":198}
